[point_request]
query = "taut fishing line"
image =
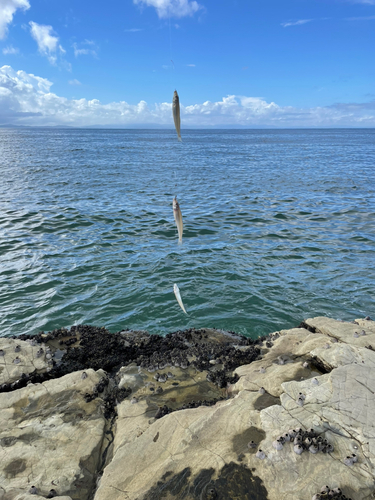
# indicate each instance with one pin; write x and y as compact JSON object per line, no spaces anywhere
{"x":170,"y":45}
{"x":170,"y":79}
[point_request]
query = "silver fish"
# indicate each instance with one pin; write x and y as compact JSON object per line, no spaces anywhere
{"x":178,"y":218}
{"x":176,"y":114}
{"x":178,"y":297}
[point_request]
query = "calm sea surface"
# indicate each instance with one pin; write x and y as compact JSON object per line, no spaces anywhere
{"x":278,"y":226}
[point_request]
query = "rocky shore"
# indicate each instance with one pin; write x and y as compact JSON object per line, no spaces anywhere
{"x":195,"y":415}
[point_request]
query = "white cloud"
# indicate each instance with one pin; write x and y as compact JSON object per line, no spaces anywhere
{"x":7,"y":10}
{"x":296,"y":23}
{"x":10,"y":50}
{"x":26,"y":99}
{"x":74,"y":82}
{"x":172,"y":8}
{"x":365,"y":2}
{"x":83,"y":51}
{"x":133,"y":30}
{"x":48,"y":44}
{"x":191,"y":65}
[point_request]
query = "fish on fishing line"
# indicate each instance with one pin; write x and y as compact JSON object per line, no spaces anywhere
{"x":178,"y":218}
{"x":176,"y":114}
{"x":178,"y":297}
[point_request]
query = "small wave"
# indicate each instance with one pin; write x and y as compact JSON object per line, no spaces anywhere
{"x":269,"y":238}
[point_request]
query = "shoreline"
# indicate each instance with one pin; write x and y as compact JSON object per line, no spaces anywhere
{"x":87,"y":414}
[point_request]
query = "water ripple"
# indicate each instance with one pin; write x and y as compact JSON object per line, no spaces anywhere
{"x":278,"y":226}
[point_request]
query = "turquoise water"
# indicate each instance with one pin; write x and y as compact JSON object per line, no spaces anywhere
{"x":278,"y":226}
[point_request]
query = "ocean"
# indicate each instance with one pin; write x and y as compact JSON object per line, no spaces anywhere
{"x":279,"y":225}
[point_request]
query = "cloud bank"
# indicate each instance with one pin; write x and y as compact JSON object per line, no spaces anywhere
{"x":7,"y":11}
{"x":171,"y":8}
{"x":26,"y":99}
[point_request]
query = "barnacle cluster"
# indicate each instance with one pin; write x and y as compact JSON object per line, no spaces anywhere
{"x":308,"y":440}
{"x":327,"y":493}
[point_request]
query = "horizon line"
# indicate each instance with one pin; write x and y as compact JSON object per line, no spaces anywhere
{"x":171,"y":129}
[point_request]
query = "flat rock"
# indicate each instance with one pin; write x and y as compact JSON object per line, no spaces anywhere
{"x":203,"y":453}
{"x":339,"y":408}
{"x":344,"y":331}
{"x":344,"y":354}
{"x":50,"y":437}
{"x":29,"y":362}
{"x":181,"y":447}
{"x":283,"y":362}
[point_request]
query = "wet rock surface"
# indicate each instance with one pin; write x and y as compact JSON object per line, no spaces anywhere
{"x":50,"y":438}
{"x":197,"y":414}
{"x":85,"y":346}
{"x":233,"y":481}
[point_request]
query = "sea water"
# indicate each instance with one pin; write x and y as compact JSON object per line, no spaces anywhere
{"x":279,"y":225}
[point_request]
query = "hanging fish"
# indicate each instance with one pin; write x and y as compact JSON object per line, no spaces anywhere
{"x":176,"y":114}
{"x":178,"y":297}
{"x":178,"y":218}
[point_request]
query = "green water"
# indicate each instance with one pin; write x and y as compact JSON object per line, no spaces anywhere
{"x":278,"y":226}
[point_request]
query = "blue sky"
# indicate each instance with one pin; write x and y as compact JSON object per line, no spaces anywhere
{"x":270,"y":63}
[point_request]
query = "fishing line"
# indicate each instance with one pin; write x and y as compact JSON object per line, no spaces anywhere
{"x":171,"y":77}
{"x":175,"y":182}
{"x":170,"y":45}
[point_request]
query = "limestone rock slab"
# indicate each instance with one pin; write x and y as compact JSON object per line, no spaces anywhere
{"x":283,"y":362}
{"x":29,"y":362}
{"x":50,"y":433}
{"x":51,"y":437}
{"x":182,"y":445}
{"x":190,"y":454}
{"x":345,"y":354}
{"x":340,"y":409}
{"x":367,"y":324}
{"x":345,"y":331}
{"x":132,"y":421}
